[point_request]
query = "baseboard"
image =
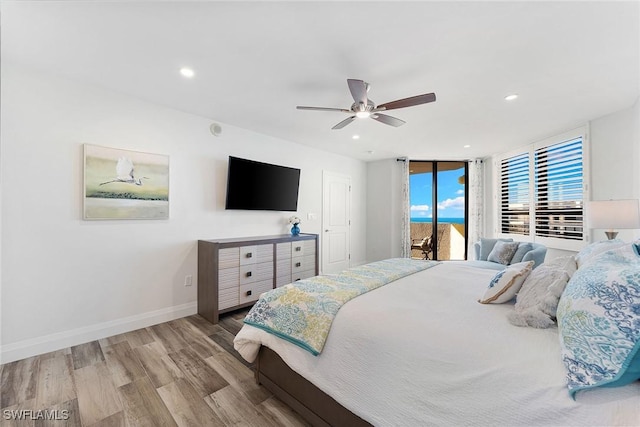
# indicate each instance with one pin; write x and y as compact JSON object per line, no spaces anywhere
{"x":60,"y":340}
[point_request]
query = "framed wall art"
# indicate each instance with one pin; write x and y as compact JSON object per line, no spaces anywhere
{"x":124,"y":184}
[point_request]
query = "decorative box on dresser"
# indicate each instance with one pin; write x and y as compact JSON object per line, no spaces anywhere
{"x":232,"y":273}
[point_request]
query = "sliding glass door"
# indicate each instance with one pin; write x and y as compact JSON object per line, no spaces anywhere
{"x":438,"y":197}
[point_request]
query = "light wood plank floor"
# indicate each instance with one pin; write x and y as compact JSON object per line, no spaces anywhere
{"x":180,"y":373}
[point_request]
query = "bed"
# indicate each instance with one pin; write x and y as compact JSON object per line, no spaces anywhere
{"x":421,"y":350}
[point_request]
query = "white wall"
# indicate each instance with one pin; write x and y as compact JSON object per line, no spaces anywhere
{"x":615,"y":161}
{"x":384,"y":209}
{"x":64,"y":280}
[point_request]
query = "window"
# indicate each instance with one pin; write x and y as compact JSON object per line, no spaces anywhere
{"x":514,"y":202}
{"x":541,"y":192}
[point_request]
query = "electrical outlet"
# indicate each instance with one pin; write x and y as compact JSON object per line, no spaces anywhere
{"x":188,"y":280}
{"x":312,"y":216}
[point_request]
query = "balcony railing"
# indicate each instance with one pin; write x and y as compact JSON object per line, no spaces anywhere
{"x":451,"y":241}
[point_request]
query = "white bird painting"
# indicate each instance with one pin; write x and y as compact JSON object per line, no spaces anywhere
{"x":125,"y":173}
{"x":137,"y":189}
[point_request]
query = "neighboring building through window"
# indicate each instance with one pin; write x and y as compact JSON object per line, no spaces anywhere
{"x":542,"y":191}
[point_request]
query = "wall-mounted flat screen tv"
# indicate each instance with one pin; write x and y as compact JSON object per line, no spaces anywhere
{"x":255,"y":185}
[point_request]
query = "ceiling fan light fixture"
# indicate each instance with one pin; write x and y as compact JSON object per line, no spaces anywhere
{"x":363,"y":107}
{"x":187,"y":72}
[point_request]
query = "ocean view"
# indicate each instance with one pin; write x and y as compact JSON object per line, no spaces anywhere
{"x":440,"y":220}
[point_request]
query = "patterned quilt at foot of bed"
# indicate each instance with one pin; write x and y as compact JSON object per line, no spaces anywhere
{"x":302,"y":312}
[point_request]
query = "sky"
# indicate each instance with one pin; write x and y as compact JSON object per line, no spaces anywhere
{"x":450,"y":195}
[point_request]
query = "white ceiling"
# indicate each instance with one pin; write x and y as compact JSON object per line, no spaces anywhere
{"x":569,"y":61}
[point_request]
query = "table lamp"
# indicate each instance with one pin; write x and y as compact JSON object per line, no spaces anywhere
{"x":613,"y":214}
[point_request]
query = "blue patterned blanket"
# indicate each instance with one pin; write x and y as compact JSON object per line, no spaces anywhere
{"x":302,"y":312}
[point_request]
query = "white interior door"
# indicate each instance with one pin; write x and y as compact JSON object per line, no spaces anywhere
{"x":336,"y":222}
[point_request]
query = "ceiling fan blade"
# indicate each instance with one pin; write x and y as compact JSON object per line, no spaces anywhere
{"x":407,"y":102}
{"x":358,"y":89}
{"x":299,"y":107}
{"x":344,"y":122}
{"x":387,"y":120}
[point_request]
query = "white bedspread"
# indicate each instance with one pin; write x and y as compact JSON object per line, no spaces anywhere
{"x":422,"y":351}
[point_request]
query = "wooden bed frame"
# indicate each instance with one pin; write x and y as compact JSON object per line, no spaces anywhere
{"x":315,"y":406}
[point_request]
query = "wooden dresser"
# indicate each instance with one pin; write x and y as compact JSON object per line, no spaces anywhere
{"x":232,"y":273}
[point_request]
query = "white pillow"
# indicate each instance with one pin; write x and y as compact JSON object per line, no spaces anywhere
{"x":506,"y":283}
{"x":565,"y":263}
{"x":537,"y":301}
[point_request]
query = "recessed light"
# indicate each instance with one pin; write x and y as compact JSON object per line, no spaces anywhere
{"x":466,"y":146}
{"x":187,"y":72}
{"x":355,"y":137}
{"x":511,"y":97}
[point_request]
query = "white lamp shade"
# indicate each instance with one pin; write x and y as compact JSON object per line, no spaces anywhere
{"x":613,"y":214}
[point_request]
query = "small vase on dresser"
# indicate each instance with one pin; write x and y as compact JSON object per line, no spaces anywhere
{"x":295,"y":222}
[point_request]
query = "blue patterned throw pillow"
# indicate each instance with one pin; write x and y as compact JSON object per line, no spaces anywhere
{"x":599,"y":321}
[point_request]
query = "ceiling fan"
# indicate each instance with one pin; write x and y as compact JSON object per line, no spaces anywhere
{"x":363,"y":107}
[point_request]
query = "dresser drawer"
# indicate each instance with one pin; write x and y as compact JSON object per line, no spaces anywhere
{"x":283,"y":267}
{"x":255,"y":254}
{"x":297,"y":248}
{"x":252,"y":291}
{"x":227,"y":298}
{"x":256,"y":272}
{"x":307,"y":262}
{"x":265,"y":253}
{"x":229,"y":277}
{"x":302,"y":248}
{"x":283,"y":251}
{"x":228,"y":257}
{"x":248,"y":254}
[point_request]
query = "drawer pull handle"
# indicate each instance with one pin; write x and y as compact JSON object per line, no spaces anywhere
{"x":248,"y":274}
{"x":298,"y":264}
{"x":298,"y":248}
{"x":249,"y":255}
{"x":248,"y":293}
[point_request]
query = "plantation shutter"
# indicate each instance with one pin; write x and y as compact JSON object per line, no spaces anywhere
{"x":559,"y":190}
{"x":515,"y":195}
